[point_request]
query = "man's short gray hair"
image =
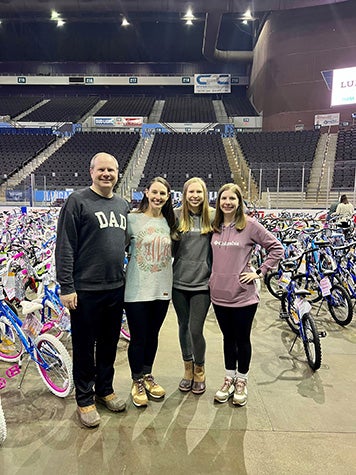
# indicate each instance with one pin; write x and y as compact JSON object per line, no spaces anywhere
{"x":92,"y":161}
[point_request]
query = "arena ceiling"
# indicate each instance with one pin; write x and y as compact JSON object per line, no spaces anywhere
{"x":20,"y":9}
{"x":219,"y":33}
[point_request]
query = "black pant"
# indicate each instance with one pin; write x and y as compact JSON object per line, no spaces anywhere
{"x":145,"y":320}
{"x":235,"y":324}
{"x":96,"y":327}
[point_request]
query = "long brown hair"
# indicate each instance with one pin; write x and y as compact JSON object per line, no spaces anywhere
{"x":167,"y":209}
{"x":240,"y":217}
{"x":185,"y":219}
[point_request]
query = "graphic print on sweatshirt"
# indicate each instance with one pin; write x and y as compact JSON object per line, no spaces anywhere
{"x":153,"y":250}
{"x":110,"y":220}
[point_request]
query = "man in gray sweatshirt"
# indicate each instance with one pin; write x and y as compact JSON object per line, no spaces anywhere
{"x":90,"y":253}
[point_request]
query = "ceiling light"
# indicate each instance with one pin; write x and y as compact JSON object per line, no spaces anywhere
{"x":60,"y":23}
{"x":247,"y":15}
{"x":245,"y":22}
{"x":188,"y":22}
{"x":189,"y":16}
{"x":124,"y":22}
{"x":54,"y":15}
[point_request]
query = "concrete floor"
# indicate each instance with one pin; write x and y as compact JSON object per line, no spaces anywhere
{"x":295,"y":422}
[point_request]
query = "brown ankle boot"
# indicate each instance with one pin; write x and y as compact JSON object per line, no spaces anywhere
{"x":186,"y":383}
{"x":198,"y":380}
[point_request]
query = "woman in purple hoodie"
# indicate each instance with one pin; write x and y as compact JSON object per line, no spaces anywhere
{"x":233,"y":291}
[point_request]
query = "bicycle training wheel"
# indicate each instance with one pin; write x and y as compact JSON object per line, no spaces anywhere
{"x":54,"y":365}
{"x":340,"y":305}
{"x":311,"y":342}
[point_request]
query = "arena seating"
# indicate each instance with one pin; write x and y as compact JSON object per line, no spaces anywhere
{"x":18,"y":149}
{"x":287,"y":151}
{"x":188,"y":109}
{"x":61,"y":109}
{"x":69,"y":165}
{"x":16,"y":105}
{"x":178,"y":157}
{"x":238,"y":106}
{"x":127,"y":106}
{"x":345,"y":160}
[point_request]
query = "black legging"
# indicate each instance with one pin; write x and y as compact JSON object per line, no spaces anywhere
{"x":191,"y":309}
{"x":235,"y":324}
{"x":145,"y":320}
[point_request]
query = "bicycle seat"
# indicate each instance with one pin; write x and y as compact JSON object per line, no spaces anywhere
{"x":29,"y":307}
{"x":328,"y":272}
{"x":289,"y":265}
{"x":322,"y":243}
{"x":302,"y":292}
{"x":289,"y":241}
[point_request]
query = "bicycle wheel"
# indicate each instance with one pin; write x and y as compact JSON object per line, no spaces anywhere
{"x":346,"y":281}
{"x":310,"y":283}
{"x":290,"y":313}
{"x":58,"y":375}
{"x":11,"y":346}
{"x":125,"y":332}
{"x":340,"y":305}
{"x":3,"y":430}
{"x":311,"y":342}
{"x":272,"y":284}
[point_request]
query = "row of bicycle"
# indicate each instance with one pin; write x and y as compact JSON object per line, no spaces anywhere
{"x":32,"y":318}
{"x":319,"y":267}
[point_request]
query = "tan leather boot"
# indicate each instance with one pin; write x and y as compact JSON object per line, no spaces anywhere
{"x":198,"y":380}
{"x":186,"y":383}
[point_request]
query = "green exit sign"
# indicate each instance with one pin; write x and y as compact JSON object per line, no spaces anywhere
{"x":133,"y":80}
{"x":21,"y":80}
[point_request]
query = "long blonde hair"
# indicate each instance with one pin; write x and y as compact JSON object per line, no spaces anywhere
{"x":185,"y":219}
{"x":240,"y":217}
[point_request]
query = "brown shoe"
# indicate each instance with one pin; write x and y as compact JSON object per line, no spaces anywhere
{"x":88,"y":416}
{"x":112,"y":402}
{"x":199,"y":386}
{"x":152,"y":388}
{"x":186,"y":382}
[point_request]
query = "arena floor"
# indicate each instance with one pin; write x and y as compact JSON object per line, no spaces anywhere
{"x":295,"y":422}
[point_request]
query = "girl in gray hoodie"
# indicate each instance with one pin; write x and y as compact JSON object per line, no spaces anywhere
{"x":191,"y":272}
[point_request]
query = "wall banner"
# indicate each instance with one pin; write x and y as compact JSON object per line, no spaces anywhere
{"x":324,"y":120}
{"x":212,"y":83}
{"x":118,"y":121}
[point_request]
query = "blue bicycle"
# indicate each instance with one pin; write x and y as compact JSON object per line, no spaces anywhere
{"x":29,"y":337}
